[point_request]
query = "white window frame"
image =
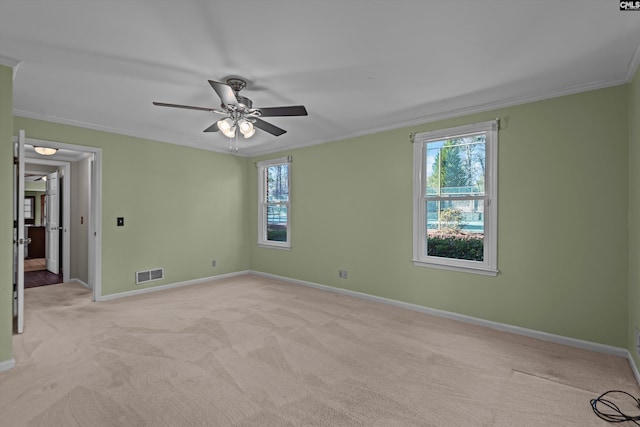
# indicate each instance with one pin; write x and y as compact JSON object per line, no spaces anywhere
{"x":489,"y":266}
{"x":263,"y":204}
{"x":29,"y":207}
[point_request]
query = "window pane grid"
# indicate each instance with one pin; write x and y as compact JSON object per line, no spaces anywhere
{"x":277,"y":183}
{"x":276,"y":220}
{"x":456,"y":166}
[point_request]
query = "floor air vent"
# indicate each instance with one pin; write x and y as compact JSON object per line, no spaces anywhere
{"x":149,"y":275}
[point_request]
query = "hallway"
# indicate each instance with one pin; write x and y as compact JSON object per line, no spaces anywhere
{"x":36,"y":274}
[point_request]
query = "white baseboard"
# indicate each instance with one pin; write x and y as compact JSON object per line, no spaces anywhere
{"x":559,"y":339}
{"x":80,"y":282}
{"x":634,"y":368}
{"x":168,"y":286}
{"x":5,"y":365}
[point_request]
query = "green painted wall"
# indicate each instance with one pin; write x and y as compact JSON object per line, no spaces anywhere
{"x":634,"y":215}
{"x":35,"y":186}
{"x":6,"y":212}
{"x":183,"y":207}
{"x":562,"y":221}
{"x":566,"y":255}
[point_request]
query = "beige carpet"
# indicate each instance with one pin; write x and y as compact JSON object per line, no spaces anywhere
{"x":251,"y":351}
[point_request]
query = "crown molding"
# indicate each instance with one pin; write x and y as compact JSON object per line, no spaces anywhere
{"x":11,"y":62}
{"x":633,"y":65}
{"x":464,"y":111}
{"x":430,"y":118}
{"x":102,"y":128}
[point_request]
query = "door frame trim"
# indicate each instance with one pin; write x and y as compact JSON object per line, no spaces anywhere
{"x":95,"y":207}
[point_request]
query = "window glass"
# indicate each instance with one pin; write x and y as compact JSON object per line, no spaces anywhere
{"x":274,"y":203}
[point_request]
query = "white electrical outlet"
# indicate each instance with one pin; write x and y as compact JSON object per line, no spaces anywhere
{"x":213,"y":263}
{"x":343,"y":274}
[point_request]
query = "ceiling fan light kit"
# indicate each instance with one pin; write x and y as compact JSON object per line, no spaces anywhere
{"x":227,"y":127}
{"x":246,"y":128}
{"x":241,"y":116}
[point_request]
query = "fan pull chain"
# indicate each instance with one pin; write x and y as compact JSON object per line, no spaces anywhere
{"x":231,"y":148}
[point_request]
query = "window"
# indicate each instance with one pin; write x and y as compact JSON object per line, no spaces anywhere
{"x":455,"y":198}
{"x":274,"y":198}
{"x":29,"y":207}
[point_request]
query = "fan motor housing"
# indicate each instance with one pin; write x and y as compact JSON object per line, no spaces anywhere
{"x":244,"y":102}
{"x":237,"y":84}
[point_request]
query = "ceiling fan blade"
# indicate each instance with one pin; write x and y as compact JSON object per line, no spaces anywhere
{"x":212,"y":128}
{"x":268,"y":127}
{"x":188,"y":107}
{"x":293,"y":110}
{"x":225,"y":93}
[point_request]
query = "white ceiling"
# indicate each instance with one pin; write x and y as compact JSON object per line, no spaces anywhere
{"x":359,"y":66}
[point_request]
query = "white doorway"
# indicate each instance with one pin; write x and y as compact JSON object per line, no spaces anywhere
{"x":63,"y":161}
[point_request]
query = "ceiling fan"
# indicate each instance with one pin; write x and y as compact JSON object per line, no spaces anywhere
{"x":241,"y":117}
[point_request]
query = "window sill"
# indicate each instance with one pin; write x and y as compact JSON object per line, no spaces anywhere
{"x":466,"y":269}
{"x":274,"y":246}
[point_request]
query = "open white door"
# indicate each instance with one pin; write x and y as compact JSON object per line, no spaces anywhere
{"x":52,"y":214}
{"x":19,"y":234}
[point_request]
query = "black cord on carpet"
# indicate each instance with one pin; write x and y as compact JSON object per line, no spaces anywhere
{"x":614,"y":414}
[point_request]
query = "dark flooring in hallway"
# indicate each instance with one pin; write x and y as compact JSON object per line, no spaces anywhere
{"x":34,"y":279}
